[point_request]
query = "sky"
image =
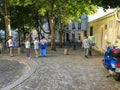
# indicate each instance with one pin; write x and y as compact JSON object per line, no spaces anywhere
{"x":99,"y":13}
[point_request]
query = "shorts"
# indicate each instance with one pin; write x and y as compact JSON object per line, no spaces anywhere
{"x":10,"y":46}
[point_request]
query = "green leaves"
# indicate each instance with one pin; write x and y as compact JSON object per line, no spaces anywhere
{"x":42,"y":11}
{"x":106,"y":3}
{"x":21,"y":2}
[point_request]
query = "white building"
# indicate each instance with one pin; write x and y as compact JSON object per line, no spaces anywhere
{"x":76,"y":31}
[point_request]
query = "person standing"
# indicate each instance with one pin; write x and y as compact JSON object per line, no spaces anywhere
{"x":10,"y":45}
{"x":27,"y":45}
{"x":43,"y":43}
{"x":36,"y":46}
{"x":86,"y":46}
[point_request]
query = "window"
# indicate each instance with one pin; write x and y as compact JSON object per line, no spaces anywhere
{"x":67,"y":27}
{"x":106,"y":27}
{"x":79,"y":25}
{"x":73,"y":25}
{"x":110,"y":23}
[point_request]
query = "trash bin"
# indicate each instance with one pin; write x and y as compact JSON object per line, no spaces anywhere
{"x":21,"y":49}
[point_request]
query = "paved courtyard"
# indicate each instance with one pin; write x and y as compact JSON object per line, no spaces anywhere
{"x":10,"y":71}
{"x":69,"y":72}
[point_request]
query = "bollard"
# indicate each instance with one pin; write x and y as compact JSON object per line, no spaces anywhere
{"x":66,"y":52}
{"x":19,"y":50}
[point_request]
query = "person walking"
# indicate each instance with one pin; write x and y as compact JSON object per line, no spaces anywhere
{"x":10,"y":46}
{"x":27,"y":45}
{"x":36,"y":46}
{"x":43,"y":43}
{"x":86,"y":46}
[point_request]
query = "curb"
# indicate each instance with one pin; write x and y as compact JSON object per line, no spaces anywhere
{"x":32,"y":64}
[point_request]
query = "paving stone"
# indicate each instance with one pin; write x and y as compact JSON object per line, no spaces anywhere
{"x":9,"y":72}
{"x":69,"y":72}
{"x":57,"y":71}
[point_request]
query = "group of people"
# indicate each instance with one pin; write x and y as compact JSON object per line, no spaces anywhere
{"x":38,"y":50}
{"x":39,"y":46}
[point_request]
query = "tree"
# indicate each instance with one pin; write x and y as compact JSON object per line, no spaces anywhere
{"x":106,"y":3}
{"x":5,"y":13}
{"x":68,"y":10}
{"x":21,"y":18}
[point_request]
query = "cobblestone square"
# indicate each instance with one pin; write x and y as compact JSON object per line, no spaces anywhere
{"x":69,"y":72}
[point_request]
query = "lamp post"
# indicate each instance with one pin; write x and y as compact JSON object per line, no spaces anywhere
{"x":74,"y":41}
{"x":74,"y":45}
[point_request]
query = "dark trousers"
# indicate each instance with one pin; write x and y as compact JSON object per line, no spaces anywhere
{"x":27,"y":52}
{"x":90,"y":51}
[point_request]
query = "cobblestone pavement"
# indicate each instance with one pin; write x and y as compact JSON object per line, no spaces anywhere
{"x":69,"y":72}
{"x":10,"y":71}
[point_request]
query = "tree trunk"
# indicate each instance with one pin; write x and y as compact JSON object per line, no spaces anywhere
{"x":19,"y":37}
{"x":61,"y":39}
{"x":7,"y":21}
{"x":52,"y":27}
{"x":52,"y":36}
{"x":61,"y":35}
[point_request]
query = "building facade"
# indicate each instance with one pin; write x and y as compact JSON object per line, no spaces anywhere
{"x":106,"y":30}
{"x":76,"y":31}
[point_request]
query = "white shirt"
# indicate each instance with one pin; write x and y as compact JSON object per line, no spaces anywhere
{"x":43,"y":41}
{"x":86,"y":43}
{"x":27,"y":44}
{"x":10,"y":42}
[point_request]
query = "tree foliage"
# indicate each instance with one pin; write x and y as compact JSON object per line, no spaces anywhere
{"x":63,"y":11}
{"x":106,"y":3}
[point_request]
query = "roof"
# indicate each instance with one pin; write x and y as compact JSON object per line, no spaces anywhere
{"x":100,"y":13}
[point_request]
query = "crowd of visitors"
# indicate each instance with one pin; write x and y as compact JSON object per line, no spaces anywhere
{"x":39,"y":46}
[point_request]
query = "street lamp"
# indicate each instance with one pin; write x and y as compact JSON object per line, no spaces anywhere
{"x":74,"y":41}
{"x":39,"y":29}
{"x":74,"y":45}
